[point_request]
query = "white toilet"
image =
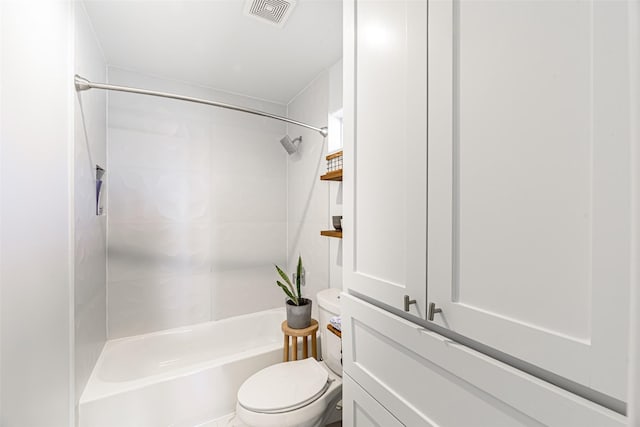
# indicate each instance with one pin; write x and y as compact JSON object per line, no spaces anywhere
{"x":302,"y":393}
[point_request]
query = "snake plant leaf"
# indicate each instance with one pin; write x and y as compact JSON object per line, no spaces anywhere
{"x":288,"y":292}
{"x":299,"y":276}
{"x":284,"y":277}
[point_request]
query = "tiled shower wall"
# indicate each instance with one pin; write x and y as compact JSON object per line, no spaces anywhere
{"x":197,"y":207}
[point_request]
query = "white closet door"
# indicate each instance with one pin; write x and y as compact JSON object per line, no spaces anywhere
{"x":385,"y":152}
{"x":529,"y":181}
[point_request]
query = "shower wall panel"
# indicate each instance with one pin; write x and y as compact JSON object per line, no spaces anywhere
{"x":90,"y":274}
{"x":196,"y":207}
{"x":311,"y":201}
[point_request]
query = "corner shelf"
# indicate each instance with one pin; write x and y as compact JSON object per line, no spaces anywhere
{"x":334,"y":161}
{"x":332,"y":233}
{"x":334,"y":330}
{"x":332,"y":176}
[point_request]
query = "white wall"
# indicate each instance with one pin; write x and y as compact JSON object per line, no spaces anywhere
{"x":335,"y":188}
{"x":36,"y":246}
{"x":311,"y":201}
{"x":335,"y":87}
{"x":196,"y":208}
{"x":90,"y":230}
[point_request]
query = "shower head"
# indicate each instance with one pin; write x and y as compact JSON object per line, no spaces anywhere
{"x":289,"y":145}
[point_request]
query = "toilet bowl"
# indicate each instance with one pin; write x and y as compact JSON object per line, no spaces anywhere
{"x":301,"y":393}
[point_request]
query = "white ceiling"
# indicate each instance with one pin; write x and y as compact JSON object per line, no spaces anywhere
{"x":212,"y":43}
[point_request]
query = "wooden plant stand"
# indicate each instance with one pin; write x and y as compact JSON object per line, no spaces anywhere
{"x":304,"y":333}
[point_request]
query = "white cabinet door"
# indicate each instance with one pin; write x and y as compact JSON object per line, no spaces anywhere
{"x":362,"y":410}
{"x":529,"y":181}
{"x":385,"y":150}
{"x":427,"y":380}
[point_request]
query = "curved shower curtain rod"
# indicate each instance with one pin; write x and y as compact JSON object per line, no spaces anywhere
{"x":84,"y":84}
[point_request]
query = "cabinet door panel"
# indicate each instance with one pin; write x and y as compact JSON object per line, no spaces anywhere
{"x":362,"y":410}
{"x":385,"y":233}
{"x":529,"y":181}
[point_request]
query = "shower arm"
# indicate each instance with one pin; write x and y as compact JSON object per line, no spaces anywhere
{"x":83,"y":84}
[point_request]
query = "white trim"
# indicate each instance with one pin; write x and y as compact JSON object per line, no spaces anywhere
{"x":633,"y":408}
{"x":71,"y":93}
{"x":107,"y":221}
{"x":1,"y":270}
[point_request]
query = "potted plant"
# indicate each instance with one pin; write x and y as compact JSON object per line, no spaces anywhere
{"x":298,"y":308}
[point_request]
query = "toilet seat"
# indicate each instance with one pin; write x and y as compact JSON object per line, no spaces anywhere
{"x":284,"y":387}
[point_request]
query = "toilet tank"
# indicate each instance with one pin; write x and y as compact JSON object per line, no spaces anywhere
{"x":329,"y":306}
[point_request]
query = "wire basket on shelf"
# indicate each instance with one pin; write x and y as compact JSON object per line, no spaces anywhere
{"x":334,"y":167}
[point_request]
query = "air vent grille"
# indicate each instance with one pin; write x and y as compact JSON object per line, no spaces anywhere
{"x":275,"y":12}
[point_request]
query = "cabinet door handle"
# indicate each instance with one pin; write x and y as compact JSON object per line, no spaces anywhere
{"x":408,"y":302}
{"x":433,"y":311}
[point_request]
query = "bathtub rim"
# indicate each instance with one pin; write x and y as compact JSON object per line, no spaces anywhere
{"x":97,"y":388}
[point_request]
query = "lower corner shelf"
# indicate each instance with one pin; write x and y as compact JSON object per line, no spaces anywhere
{"x":332,"y":233}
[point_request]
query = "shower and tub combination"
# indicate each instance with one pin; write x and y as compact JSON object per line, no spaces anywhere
{"x":185,"y":376}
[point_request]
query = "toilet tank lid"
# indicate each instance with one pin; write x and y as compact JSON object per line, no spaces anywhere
{"x":329,"y":299}
{"x":284,"y":386}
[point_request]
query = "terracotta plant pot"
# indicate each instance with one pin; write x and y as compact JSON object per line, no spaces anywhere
{"x":299,"y":316}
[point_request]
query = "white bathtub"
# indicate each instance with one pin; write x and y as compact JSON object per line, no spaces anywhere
{"x":180,"y":377}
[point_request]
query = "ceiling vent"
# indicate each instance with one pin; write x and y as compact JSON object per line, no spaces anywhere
{"x":275,"y":12}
